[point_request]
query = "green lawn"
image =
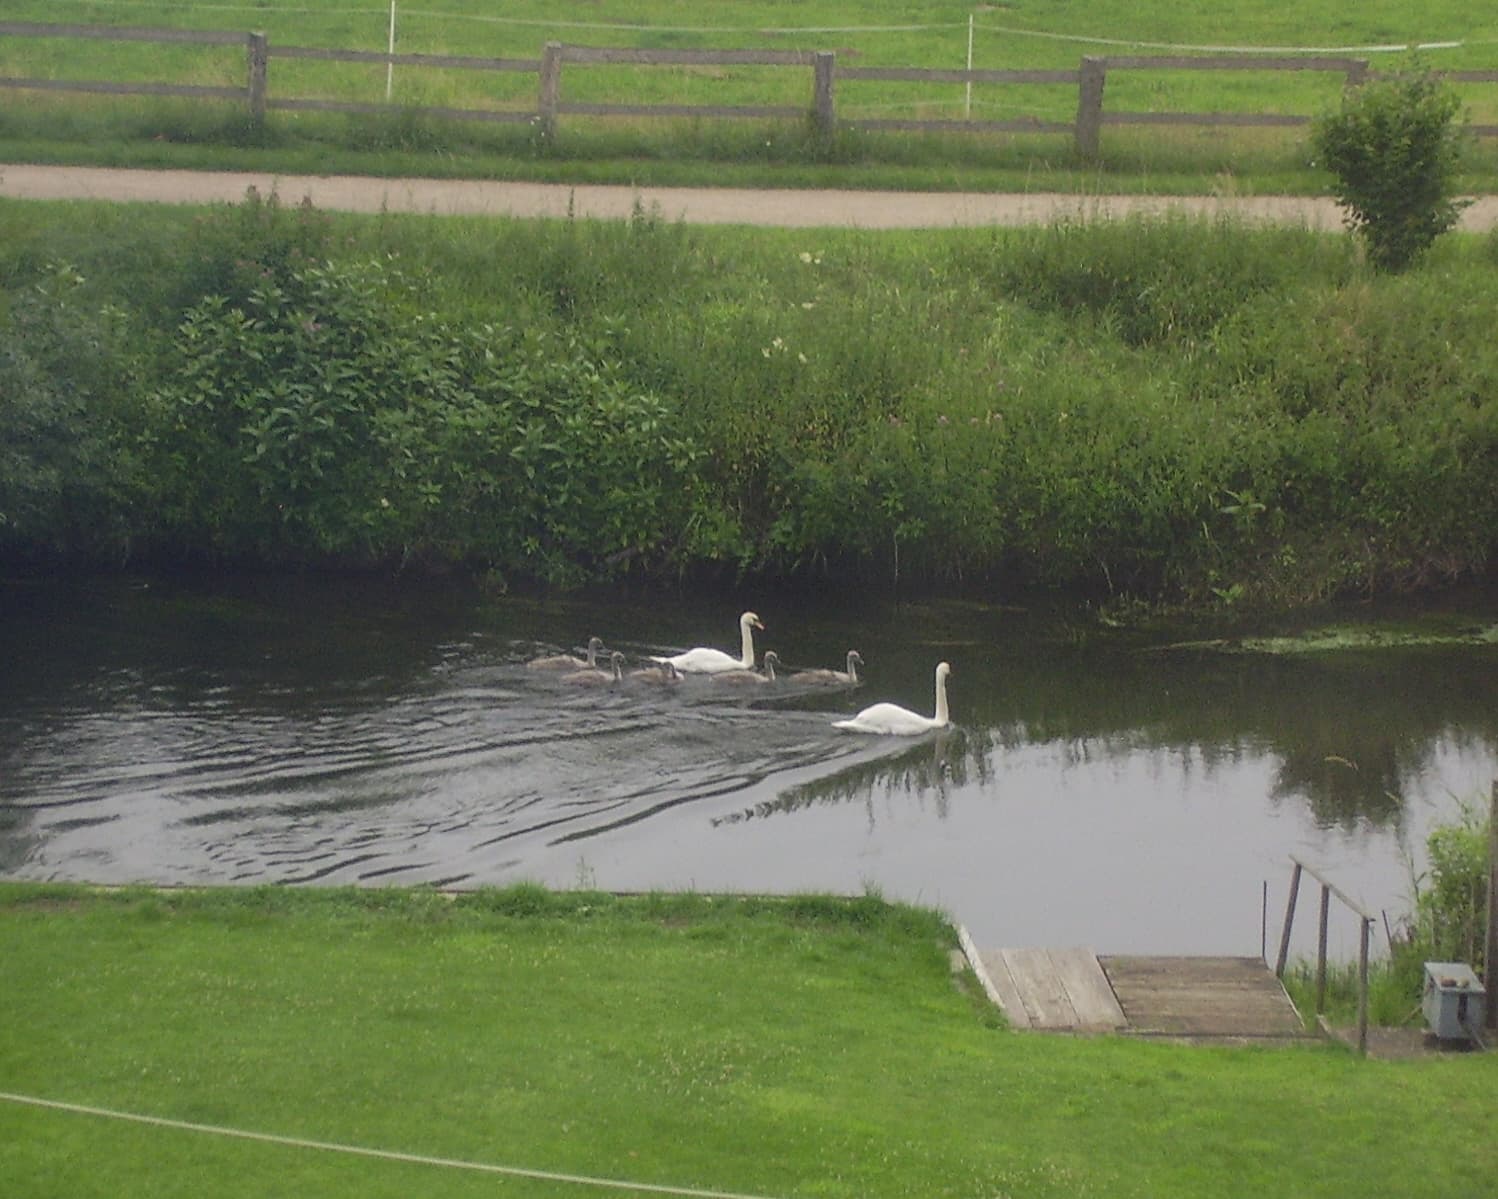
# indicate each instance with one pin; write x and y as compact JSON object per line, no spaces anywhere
{"x":45,"y":125}
{"x":809,"y":1047}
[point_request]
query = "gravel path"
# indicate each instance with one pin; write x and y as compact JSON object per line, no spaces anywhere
{"x":710,"y":206}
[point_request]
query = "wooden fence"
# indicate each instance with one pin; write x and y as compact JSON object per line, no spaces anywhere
{"x":1090,"y":79}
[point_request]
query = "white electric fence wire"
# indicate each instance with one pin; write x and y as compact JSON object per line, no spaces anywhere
{"x":383,"y":1154}
{"x":1400,"y":48}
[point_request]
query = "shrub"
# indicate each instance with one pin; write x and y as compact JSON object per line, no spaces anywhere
{"x":1394,"y":147}
{"x":322,"y":416}
{"x":1450,"y":923}
{"x":66,"y":382}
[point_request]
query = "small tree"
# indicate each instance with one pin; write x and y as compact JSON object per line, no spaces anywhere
{"x":1394,"y":148}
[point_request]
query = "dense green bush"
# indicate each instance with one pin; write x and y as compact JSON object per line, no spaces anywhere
{"x":67,"y":420}
{"x":1394,"y":147}
{"x":322,"y":416}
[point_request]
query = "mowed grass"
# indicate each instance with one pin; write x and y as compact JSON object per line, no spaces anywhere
{"x":799,"y":1047}
{"x":54,"y":126}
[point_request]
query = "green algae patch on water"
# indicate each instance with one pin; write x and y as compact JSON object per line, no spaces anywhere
{"x":1336,"y":638}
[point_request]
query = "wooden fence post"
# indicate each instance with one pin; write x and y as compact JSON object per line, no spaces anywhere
{"x":551,"y":88}
{"x":257,"y":51}
{"x":1090,"y":82}
{"x":1490,"y":958}
{"x":824,"y":115}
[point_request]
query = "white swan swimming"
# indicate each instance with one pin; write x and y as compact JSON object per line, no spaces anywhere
{"x":714,"y":661}
{"x":902,"y":722}
{"x":849,"y":676}
{"x":597,"y":676}
{"x":567,"y":661}
{"x":750,"y":676}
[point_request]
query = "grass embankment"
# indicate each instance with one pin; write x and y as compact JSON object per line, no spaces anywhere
{"x":781,"y":1048}
{"x":1159,"y":409}
{"x":50,"y":126}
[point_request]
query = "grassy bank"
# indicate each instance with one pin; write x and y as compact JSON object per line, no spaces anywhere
{"x":50,"y":126}
{"x":1154,"y":409}
{"x":780,"y":1048}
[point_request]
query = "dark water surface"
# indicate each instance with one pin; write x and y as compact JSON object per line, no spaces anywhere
{"x":1097,"y":790}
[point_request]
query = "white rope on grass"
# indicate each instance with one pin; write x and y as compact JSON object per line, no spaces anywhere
{"x":383,"y":1154}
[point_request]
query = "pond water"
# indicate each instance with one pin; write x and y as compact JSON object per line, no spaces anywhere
{"x":1102,"y":787}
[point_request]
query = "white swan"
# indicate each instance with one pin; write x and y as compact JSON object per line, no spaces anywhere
{"x":598,"y":677}
{"x":849,"y":676}
{"x":714,"y":661}
{"x":902,"y":722}
{"x":750,"y":676}
{"x":567,"y":661}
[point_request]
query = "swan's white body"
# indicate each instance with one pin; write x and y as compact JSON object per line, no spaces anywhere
{"x":751,"y":676}
{"x":896,"y":721}
{"x":567,"y":661}
{"x":703,"y":660}
{"x":598,"y":677}
{"x":855,"y":660}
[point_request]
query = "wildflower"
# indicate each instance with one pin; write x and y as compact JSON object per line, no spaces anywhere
{"x":801,"y":358}
{"x":942,"y":420}
{"x":808,"y":304}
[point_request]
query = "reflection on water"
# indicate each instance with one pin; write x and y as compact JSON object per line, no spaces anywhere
{"x":1096,"y":790}
{"x":932,"y":766}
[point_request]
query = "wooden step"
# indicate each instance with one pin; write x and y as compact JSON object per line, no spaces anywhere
{"x":1059,"y":990}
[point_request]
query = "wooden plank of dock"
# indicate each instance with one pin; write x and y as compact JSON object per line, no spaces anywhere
{"x":1053,"y":989}
{"x":1202,"y":997}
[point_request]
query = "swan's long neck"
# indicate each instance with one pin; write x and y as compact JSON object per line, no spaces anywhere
{"x":747,"y":644}
{"x":941,"y":700}
{"x":852,"y":666}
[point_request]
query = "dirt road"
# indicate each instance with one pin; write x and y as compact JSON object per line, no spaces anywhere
{"x":711,"y":206}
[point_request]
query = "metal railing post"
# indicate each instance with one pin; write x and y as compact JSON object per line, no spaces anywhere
{"x":1279,"y":965}
{"x":1326,"y":903}
{"x":1490,"y":955}
{"x":1367,"y":926}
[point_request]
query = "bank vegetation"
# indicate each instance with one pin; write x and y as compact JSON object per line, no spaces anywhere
{"x":1168,"y":409}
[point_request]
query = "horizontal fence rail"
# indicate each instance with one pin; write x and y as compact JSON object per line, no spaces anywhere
{"x":1089,"y":80}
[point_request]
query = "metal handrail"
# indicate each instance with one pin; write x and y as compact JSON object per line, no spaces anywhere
{"x":1365,"y":921}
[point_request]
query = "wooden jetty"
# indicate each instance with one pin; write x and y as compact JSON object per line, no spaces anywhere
{"x":1195,"y":998}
